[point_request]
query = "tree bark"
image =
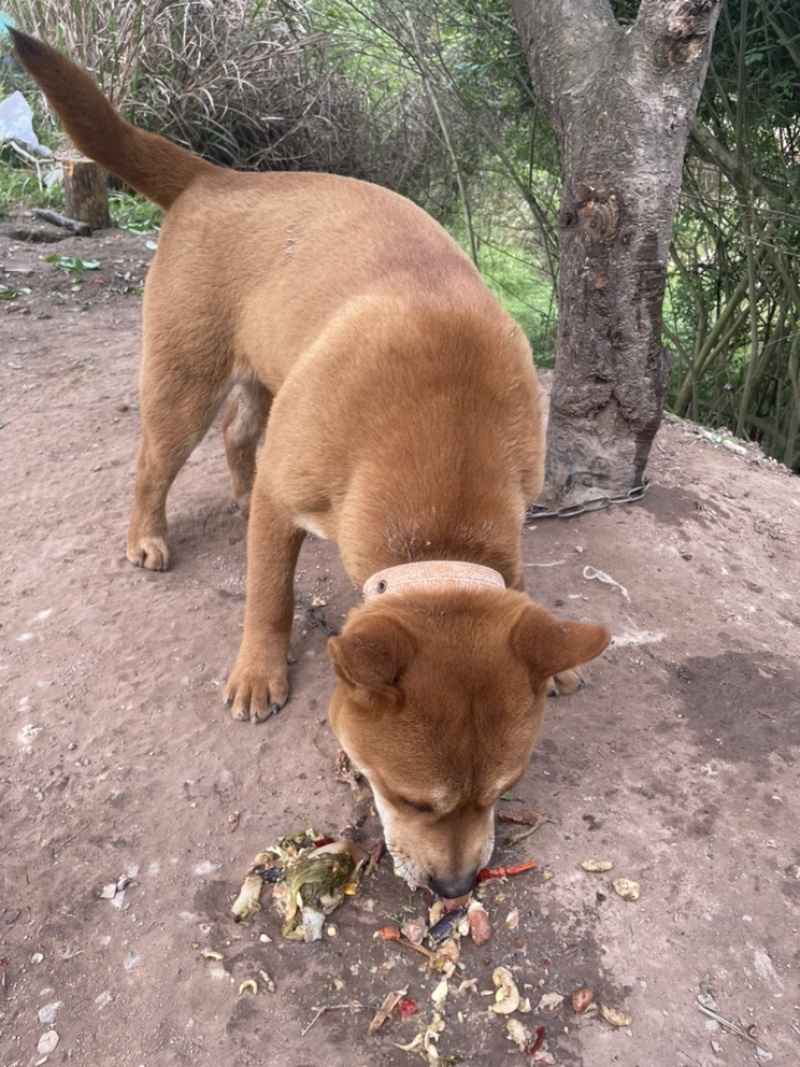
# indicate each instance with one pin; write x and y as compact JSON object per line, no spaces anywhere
{"x":621,"y":100}
{"x":86,"y":192}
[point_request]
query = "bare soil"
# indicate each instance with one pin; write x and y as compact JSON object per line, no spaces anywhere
{"x":678,"y":762}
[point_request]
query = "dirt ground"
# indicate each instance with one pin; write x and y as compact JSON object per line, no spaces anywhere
{"x":678,"y":763}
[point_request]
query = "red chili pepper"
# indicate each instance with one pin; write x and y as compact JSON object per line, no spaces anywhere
{"x":485,"y":873}
{"x":537,"y":1044}
{"x":407,"y":1007}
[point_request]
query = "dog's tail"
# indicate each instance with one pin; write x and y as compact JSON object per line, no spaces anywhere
{"x":150,"y":164}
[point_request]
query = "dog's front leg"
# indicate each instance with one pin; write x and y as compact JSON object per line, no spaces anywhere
{"x":258,"y":685}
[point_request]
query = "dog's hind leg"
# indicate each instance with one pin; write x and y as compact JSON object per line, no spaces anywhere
{"x":242,"y":427}
{"x":178,"y":405}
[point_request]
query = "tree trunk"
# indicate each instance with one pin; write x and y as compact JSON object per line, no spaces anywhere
{"x":86,"y":192}
{"x":621,"y":100}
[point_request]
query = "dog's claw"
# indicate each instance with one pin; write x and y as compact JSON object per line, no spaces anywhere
{"x":274,"y":709}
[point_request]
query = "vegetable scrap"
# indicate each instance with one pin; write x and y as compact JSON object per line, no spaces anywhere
{"x":627,"y":889}
{"x":615,"y":1017}
{"x":446,"y":925}
{"x":426,"y":1041}
{"x":407,"y":1007}
{"x":485,"y":873}
{"x":310,"y":875}
{"x":537,"y":1044}
{"x":518,"y":1033}
{"x":507,"y":998}
{"x":581,"y":1000}
{"x":480,"y":928}
{"x":531,"y":820}
{"x":597,"y":865}
{"x":384,"y":1011}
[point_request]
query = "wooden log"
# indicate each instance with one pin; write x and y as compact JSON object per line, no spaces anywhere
{"x":86,"y":192}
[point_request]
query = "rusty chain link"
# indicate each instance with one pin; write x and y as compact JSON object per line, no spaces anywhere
{"x":598,"y":503}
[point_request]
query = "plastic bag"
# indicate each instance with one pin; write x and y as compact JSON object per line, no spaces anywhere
{"x":16,"y":123}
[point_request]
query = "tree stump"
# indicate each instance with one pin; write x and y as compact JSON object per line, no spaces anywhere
{"x":86,"y":192}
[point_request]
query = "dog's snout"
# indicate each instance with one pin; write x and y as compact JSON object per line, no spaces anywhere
{"x":451,"y":888}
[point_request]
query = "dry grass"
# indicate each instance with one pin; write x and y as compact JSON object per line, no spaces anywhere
{"x":247,"y":84}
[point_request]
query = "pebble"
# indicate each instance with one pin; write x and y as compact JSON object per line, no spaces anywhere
{"x":47,"y":1043}
{"x":47,"y":1014}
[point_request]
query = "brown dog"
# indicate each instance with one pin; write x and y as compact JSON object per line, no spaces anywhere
{"x":404,"y":423}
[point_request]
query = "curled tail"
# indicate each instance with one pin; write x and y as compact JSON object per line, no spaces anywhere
{"x":148,"y":163}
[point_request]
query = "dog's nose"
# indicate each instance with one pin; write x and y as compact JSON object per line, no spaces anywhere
{"x":450,"y":888}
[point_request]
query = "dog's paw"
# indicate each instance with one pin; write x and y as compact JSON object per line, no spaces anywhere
{"x":149,"y":552}
{"x":255,"y":693}
{"x":565,"y":683}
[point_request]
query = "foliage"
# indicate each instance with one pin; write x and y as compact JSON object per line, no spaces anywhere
{"x":432,"y":97}
{"x":250,"y":84}
{"x":735,"y":311}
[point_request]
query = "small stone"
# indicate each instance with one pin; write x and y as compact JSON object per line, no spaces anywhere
{"x":47,"y":1043}
{"x":47,"y":1014}
{"x":37,"y":957}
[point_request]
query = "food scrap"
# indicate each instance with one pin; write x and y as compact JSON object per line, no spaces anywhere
{"x":627,"y":889}
{"x":480,"y":927}
{"x":615,"y":1017}
{"x":446,"y":925}
{"x":310,"y":876}
{"x":485,"y":873}
{"x":518,"y":1033}
{"x":507,"y":998}
{"x":384,"y":1011}
{"x":407,"y":1007}
{"x":597,"y":865}
{"x":581,"y":1000}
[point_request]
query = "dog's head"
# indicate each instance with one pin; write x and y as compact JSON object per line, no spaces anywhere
{"x":439,"y":701}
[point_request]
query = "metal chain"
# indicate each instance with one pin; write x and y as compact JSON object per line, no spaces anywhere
{"x":598,"y":503}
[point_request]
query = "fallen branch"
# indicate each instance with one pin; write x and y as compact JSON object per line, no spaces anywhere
{"x":82,"y":229}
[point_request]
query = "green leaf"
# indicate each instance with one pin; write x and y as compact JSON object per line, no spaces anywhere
{"x":72,"y":263}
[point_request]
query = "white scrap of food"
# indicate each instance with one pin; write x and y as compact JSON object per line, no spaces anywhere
{"x":249,"y":900}
{"x":615,"y":1017}
{"x":597,"y":865}
{"x":550,"y":1001}
{"x":519,"y":1034}
{"x":439,"y":995}
{"x":312,"y":922}
{"x":627,"y":889}
{"x":507,"y":998}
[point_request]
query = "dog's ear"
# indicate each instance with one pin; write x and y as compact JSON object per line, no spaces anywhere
{"x":549,"y":645}
{"x":371,"y":655}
